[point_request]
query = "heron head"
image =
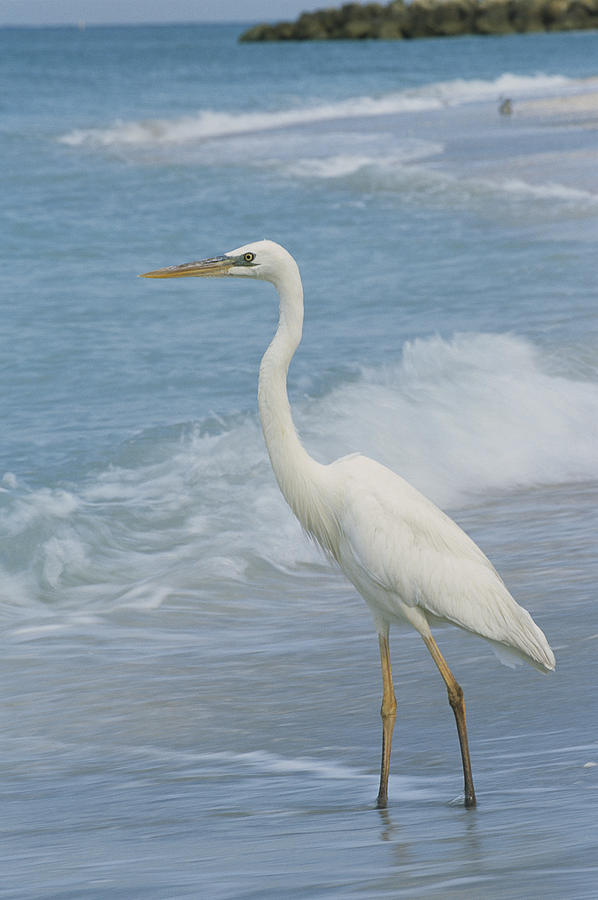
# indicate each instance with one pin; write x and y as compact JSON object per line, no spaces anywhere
{"x":262,"y":259}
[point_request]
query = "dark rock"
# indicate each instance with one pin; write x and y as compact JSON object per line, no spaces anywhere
{"x":492,"y":17}
{"x":570,"y":15}
{"x":356,"y":29}
{"x":256,"y":33}
{"x":387,"y":30}
{"x":452,"y":17}
{"x":431,"y":18}
{"x":419,"y":20}
{"x":309,"y":28}
{"x":527,"y":15}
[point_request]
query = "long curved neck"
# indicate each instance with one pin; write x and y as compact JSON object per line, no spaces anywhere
{"x":297,"y":474}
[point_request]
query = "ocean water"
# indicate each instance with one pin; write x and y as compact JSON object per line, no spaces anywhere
{"x":190,"y":693}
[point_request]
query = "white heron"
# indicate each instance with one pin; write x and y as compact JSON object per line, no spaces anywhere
{"x":410,"y":562}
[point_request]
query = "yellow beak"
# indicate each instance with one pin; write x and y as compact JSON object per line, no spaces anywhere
{"x":216,"y":265}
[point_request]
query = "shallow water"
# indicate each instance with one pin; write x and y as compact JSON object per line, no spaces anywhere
{"x":190,"y":693}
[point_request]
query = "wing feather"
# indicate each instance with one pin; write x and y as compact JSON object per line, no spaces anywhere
{"x":413,"y":551}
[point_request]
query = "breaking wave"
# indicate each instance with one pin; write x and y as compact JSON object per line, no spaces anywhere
{"x":210,"y":124}
{"x":402,"y":174}
{"x":200,"y":512}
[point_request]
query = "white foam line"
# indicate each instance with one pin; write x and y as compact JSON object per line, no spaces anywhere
{"x":393,"y":171}
{"x":261,"y":760}
{"x":210,"y":124}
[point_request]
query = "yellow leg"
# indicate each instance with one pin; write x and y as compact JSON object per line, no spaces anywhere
{"x":457,"y":702}
{"x":389,"y":714}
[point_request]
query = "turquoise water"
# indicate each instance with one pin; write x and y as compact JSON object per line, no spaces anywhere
{"x":190,"y":694}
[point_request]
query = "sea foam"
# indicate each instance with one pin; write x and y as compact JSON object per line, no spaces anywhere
{"x":406,"y":173}
{"x":210,"y":124}
{"x":202,"y":514}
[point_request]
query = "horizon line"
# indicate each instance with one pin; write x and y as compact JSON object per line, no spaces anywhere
{"x":82,"y":24}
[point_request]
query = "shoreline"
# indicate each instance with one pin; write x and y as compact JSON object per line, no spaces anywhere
{"x":578,"y":109}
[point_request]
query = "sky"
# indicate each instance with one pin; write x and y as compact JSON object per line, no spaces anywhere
{"x":59,"y":12}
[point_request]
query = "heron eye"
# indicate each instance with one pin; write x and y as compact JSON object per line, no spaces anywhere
{"x":249,"y":257}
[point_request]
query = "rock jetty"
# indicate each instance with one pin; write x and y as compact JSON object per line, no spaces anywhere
{"x":431,"y":18}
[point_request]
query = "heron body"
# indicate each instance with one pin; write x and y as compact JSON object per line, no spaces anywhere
{"x":410,"y":562}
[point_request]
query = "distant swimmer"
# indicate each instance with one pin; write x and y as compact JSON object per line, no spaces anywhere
{"x":506,"y":107}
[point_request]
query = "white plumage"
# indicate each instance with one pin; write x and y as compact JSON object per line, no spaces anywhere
{"x":410,"y":562}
